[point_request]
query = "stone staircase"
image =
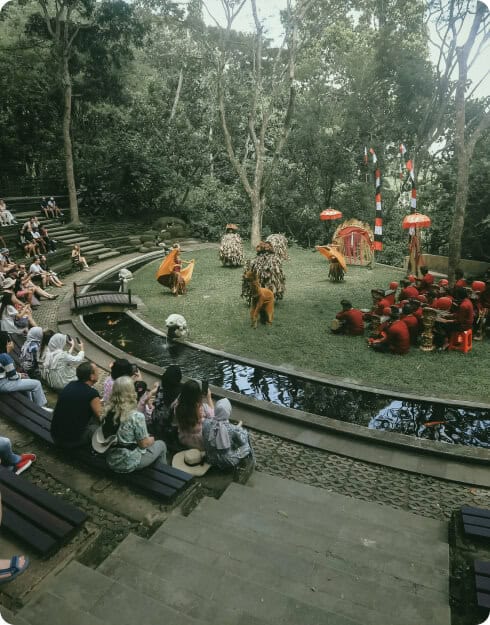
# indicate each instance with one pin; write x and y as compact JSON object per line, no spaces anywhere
{"x":274,"y":551}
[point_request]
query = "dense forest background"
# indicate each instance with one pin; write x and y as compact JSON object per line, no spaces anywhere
{"x":170,"y":116}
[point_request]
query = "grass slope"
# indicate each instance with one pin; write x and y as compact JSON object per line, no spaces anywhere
{"x":300,"y":337}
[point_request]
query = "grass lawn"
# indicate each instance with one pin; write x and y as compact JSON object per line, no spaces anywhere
{"x":300,"y":336}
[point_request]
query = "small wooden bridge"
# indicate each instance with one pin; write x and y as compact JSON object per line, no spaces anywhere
{"x":100,"y":299}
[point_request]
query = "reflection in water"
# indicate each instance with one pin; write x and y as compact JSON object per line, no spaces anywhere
{"x":442,"y":422}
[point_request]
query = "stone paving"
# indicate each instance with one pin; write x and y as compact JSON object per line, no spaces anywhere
{"x":417,"y":493}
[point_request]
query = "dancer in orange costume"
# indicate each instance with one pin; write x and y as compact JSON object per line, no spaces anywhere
{"x":172,"y":274}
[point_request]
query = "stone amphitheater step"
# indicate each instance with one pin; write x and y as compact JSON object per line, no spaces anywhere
{"x":50,"y":609}
{"x":90,"y":593}
{"x":109,"y":254}
{"x":264,"y":555}
{"x":251,"y":549}
{"x":213,"y":590}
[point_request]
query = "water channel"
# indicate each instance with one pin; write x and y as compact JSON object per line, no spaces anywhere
{"x":436,"y":421}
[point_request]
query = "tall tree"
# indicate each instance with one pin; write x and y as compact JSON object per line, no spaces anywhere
{"x":72,"y":25}
{"x":461,"y":34}
{"x":271,"y":81}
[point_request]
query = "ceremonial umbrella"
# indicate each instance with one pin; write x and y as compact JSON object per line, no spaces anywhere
{"x":416,"y":220}
{"x":329,"y":214}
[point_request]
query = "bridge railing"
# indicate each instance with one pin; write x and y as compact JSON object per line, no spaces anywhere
{"x":99,"y":290}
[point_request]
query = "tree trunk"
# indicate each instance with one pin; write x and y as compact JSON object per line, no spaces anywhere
{"x":70,"y":174}
{"x":257,"y":213}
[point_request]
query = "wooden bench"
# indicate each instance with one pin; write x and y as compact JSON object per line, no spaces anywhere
{"x":476,"y":521}
{"x":158,"y":480}
{"x":42,"y":520}
{"x":482,"y":583}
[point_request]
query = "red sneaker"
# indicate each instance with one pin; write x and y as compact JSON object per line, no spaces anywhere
{"x":24,"y":463}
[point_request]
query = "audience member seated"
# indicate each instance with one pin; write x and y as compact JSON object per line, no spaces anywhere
{"x":78,"y":410}
{"x":131,"y":448}
{"x":120,"y":367}
{"x":36,"y":272}
{"x":77,"y":258}
{"x":408,"y":290}
{"x":29,"y":246}
{"x":48,"y":241}
{"x":351,"y":320}
{"x":10,"y":380}
{"x":52,"y":275}
{"x":15,"y":320}
{"x":30,"y":353}
{"x":18,"y":463}
{"x":58,"y":365}
{"x":225,"y":444}
{"x":6,"y":217}
{"x":412,"y":323}
{"x":190,"y":410}
{"x":396,"y":337}
{"x":169,"y":389}
{"x":55,"y":209}
{"x":48,"y":213}
{"x":24,"y":284}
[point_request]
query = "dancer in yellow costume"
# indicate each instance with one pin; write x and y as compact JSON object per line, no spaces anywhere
{"x":172,"y":274}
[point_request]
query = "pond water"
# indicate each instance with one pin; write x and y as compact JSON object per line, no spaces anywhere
{"x":436,"y":421}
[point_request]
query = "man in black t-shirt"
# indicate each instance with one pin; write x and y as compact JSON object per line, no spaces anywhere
{"x":78,"y":405}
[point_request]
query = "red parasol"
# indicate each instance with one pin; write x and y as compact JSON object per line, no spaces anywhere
{"x":330,"y":213}
{"x":416,"y":220}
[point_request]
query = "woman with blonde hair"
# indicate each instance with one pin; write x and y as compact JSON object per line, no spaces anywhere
{"x":134,"y":448}
{"x":77,"y":258}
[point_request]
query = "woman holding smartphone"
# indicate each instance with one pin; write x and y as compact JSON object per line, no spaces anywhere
{"x":58,"y":365}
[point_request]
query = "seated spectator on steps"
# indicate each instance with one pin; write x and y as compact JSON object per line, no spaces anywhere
{"x":37,"y":273}
{"x":10,"y":569}
{"x":48,"y":241}
{"x":18,"y":463}
{"x":52,"y":275}
{"x":6,"y":217}
{"x":120,"y":367}
{"x":30,"y":354}
{"x":46,"y":209}
{"x":10,"y":380}
{"x":78,"y":259}
{"x":78,"y":410}
{"x":56,"y":210}
{"x":190,"y":410}
{"x":15,"y":320}
{"x":225,"y":444}
{"x":133,"y":447}
{"x":58,"y":364}
{"x":351,"y":320}
{"x":162,"y":425}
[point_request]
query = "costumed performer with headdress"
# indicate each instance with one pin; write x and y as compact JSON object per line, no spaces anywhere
{"x":172,"y":274}
{"x":231,"y":247}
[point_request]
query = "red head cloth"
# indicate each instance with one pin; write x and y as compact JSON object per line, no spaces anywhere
{"x":412,"y":278}
{"x":422,"y":299}
{"x":478,"y":286}
{"x":393,"y":286}
{"x":386,"y":311}
{"x":443,"y":282}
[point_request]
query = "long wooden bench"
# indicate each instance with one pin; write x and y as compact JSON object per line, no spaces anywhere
{"x":482,"y":583}
{"x":158,"y":480}
{"x":42,"y":520}
{"x":476,"y":521}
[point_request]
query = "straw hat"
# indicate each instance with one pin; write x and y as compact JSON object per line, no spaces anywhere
{"x":191,"y":461}
{"x":102,"y":443}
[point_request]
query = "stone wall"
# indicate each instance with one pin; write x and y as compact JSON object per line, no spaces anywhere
{"x":438,"y":264}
